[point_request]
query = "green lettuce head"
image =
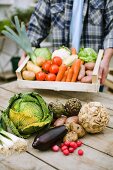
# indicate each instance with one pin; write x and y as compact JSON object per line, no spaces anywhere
{"x":87,"y":55}
{"x":26,"y":114}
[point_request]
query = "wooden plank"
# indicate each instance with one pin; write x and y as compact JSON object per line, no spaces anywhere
{"x":53,"y":96}
{"x":88,"y":161}
{"x":102,"y":141}
{"x":59,"y":86}
{"x":18,"y":71}
{"x":4,"y":97}
{"x":23,"y":161}
{"x":56,"y":96}
{"x":106,"y":99}
{"x":97,"y":65}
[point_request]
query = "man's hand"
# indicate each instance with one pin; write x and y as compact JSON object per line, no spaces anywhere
{"x":104,"y":67}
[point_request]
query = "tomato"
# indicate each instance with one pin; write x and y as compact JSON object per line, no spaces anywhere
{"x":46,"y":65}
{"x":40,"y":76}
{"x":50,"y":77}
{"x":54,"y":68}
{"x":57,"y":60}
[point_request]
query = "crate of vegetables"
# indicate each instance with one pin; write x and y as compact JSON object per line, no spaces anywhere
{"x":63,"y":70}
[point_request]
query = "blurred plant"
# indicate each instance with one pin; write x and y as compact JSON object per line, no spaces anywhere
{"x":23,"y":15}
{"x":3,"y":23}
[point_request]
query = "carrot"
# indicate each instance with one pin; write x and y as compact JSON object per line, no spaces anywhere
{"x":61,"y":72}
{"x":74,"y":64}
{"x":65,"y":76}
{"x":73,"y":51}
{"x":69,"y":75}
{"x":76,"y":69}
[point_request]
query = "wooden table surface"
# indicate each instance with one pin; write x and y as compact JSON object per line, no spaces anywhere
{"x":98,"y":149}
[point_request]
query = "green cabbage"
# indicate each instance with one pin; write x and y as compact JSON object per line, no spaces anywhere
{"x":43,"y":52}
{"x":87,"y":54}
{"x":26,"y":114}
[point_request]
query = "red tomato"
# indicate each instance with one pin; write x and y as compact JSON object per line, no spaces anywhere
{"x":46,"y":65}
{"x":40,"y":76}
{"x":50,"y":77}
{"x":57,"y":60}
{"x":54,"y":68}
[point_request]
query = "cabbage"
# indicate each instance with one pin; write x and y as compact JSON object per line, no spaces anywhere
{"x":43,"y":52}
{"x":87,"y":54}
{"x":26,"y":114}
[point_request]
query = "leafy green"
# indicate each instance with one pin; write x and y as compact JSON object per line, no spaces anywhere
{"x":27,"y":113}
{"x":20,"y":37}
{"x":43,"y":52}
{"x":87,"y":54}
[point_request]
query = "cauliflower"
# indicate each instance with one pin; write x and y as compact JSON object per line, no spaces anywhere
{"x":63,"y":53}
{"x":93,"y":117}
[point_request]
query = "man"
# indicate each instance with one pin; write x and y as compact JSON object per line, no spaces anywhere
{"x":95,"y":29}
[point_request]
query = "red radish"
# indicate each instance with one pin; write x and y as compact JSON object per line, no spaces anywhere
{"x":67,"y":143}
{"x":80,"y":152}
{"x":62,"y":144}
{"x":71,"y":150}
{"x":55,"y":148}
{"x":79,"y":143}
{"x":64,"y":147}
{"x":73,"y":145}
{"x":66,"y":152}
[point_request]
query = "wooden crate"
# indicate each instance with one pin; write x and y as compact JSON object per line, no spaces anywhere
{"x":62,"y":86}
{"x":109,"y":79}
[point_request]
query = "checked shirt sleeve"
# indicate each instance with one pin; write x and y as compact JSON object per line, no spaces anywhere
{"x":108,"y":40}
{"x":40,"y":23}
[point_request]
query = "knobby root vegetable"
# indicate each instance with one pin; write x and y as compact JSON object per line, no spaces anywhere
{"x":28,"y":75}
{"x":81,"y":72}
{"x":86,"y":79}
{"x":32,"y":67}
{"x":89,"y":66}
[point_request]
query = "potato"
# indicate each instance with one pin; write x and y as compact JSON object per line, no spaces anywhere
{"x":81,"y":72}
{"x":86,"y":79}
{"x":78,"y":129}
{"x":28,"y":75}
{"x":32,"y":67}
{"x":89,"y":66}
{"x":89,"y":72}
{"x":72,"y":119}
{"x":40,"y":61}
{"x":60,"y":121}
{"x":70,"y":136}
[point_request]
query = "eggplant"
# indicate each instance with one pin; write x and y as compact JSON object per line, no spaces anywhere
{"x":49,"y":138}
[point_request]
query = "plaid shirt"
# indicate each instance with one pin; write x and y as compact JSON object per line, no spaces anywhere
{"x":55,"y":15}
